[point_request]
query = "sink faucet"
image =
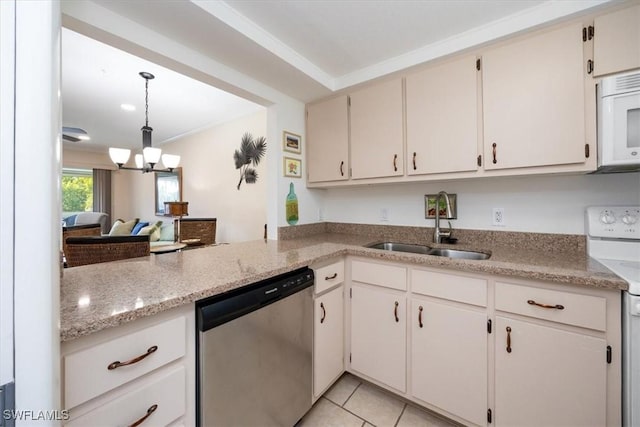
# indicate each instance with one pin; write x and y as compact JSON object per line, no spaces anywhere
{"x":438,"y":234}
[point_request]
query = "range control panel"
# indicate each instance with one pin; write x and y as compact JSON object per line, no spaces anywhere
{"x":614,"y":222}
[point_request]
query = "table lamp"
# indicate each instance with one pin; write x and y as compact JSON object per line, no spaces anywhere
{"x":176,"y":210}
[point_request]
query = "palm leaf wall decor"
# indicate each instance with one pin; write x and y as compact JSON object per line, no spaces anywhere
{"x":250,"y":153}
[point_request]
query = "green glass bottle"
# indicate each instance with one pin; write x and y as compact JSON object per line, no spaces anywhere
{"x":292,"y":206}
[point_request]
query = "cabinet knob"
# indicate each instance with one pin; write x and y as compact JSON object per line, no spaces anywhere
{"x":395,"y":163}
{"x":420,"y":316}
{"x":324,"y":313}
{"x":414,"y":160}
{"x":341,"y":168}
{"x":508,"y":339}
{"x":495,"y":148}
{"x":395,"y":311}
{"x":331,"y":277}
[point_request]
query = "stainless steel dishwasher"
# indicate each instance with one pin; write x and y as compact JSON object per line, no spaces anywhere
{"x":254,"y":353}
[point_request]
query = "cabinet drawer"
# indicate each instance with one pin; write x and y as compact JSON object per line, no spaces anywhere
{"x":469,"y":290}
{"x":167,"y":393}
{"x":585,"y":311}
{"x":388,"y":276}
{"x":86,"y":372}
{"x":329,"y":276}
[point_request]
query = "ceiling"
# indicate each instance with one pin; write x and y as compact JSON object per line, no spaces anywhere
{"x":306,"y":49}
{"x":97,"y":79}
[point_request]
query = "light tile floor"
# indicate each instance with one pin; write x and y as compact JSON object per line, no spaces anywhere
{"x":352,"y":402}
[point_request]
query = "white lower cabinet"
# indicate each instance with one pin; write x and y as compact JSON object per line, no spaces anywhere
{"x":154,"y":404}
{"x":449,"y":358}
{"x":379,"y":334}
{"x":328,"y":339}
{"x":548,"y":377}
{"x":142,"y":372}
{"x":486,"y":351}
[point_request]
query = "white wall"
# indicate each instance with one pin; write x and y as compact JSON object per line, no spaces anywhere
{"x":210,"y":179}
{"x":549,"y":204}
{"x":36,"y":207}
{"x":289,"y":116}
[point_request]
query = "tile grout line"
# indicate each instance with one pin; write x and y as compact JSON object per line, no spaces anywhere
{"x":404,"y":408}
{"x":351,"y":395}
{"x":346,"y":410}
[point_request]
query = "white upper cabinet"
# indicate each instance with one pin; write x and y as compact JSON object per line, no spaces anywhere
{"x":376,"y":131}
{"x":533,"y":101}
{"x":328,"y":140}
{"x":616,"y":42}
{"x":442,"y":118}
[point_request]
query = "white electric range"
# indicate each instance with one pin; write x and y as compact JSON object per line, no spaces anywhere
{"x":613,"y":239}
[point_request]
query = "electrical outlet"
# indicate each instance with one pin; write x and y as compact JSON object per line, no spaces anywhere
{"x":384,"y":214}
{"x":498,"y":217}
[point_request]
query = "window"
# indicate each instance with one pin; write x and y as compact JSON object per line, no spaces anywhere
{"x":77,"y":190}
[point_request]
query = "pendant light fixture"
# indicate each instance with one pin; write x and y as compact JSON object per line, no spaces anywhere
{"x":150,"y":156}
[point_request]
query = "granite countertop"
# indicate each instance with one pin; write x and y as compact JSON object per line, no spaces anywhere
{"x":99,"y":296}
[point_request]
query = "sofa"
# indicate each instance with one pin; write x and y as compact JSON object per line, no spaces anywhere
{"x":84,"y":218}
{"x":202,"y":229}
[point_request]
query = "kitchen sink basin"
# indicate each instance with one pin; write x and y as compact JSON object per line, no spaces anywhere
{"x":455,"y":253}
{"x":426,"y":250}
{"x":401,"y":247}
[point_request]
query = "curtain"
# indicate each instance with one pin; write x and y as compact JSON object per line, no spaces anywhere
{"x":102,"y":194}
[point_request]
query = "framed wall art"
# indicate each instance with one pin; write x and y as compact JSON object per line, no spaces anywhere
{"x":430,"y":207}
{"x":291,"y":142}
{"x":292,"y":167}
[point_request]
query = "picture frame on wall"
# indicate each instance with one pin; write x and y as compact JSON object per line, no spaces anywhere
{"x":430,"y":207}
{"x":292,"y":167}
{"x":291,"y":142}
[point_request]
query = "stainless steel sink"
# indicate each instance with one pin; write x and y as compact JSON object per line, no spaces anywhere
{"x":426,"y":250}
{"x":454,"y":253}
{"x":401,"y":247}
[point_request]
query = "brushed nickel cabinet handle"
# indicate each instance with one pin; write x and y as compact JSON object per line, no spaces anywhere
{"x":341,"y":168}
{"x":414,"y":160}
{"x":556,"y":306}
{"x":420,"y":316}
{"x":150,"y":411}
{"x":118,"y":364}
{"x":331,"y":277}
{"x":495,"y":149}
{"x":395,"y":311}
{"x":508,"y":339}
{"x":324,"y":313}
{"x":395,"y":163}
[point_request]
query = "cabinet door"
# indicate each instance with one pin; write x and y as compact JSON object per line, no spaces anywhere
{"x":328,"y":140}
{"x":376,"y":131}
{"x":550,"y":376}
{"x":328,"y":340}
{"x":442,"y":118}
{"x":378,"y":335}
{"x":616,"y":44}
{"x":449,"y":358}
{"x":533,"y":101}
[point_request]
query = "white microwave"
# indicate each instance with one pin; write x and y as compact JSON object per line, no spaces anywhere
{"x":619,"y":123}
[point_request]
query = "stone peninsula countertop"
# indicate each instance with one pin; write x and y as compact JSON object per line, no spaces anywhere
{"x":100,"y":296}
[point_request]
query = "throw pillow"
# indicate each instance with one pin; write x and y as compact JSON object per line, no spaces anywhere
{"x":153,"y":231}
{"x":138,"y":227}
{"x":116,"y":224}
{"x":166,"y":233}
{"x":123,"y":228}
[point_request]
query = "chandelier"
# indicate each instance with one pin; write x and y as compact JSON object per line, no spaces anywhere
{"x":150,"y":156}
